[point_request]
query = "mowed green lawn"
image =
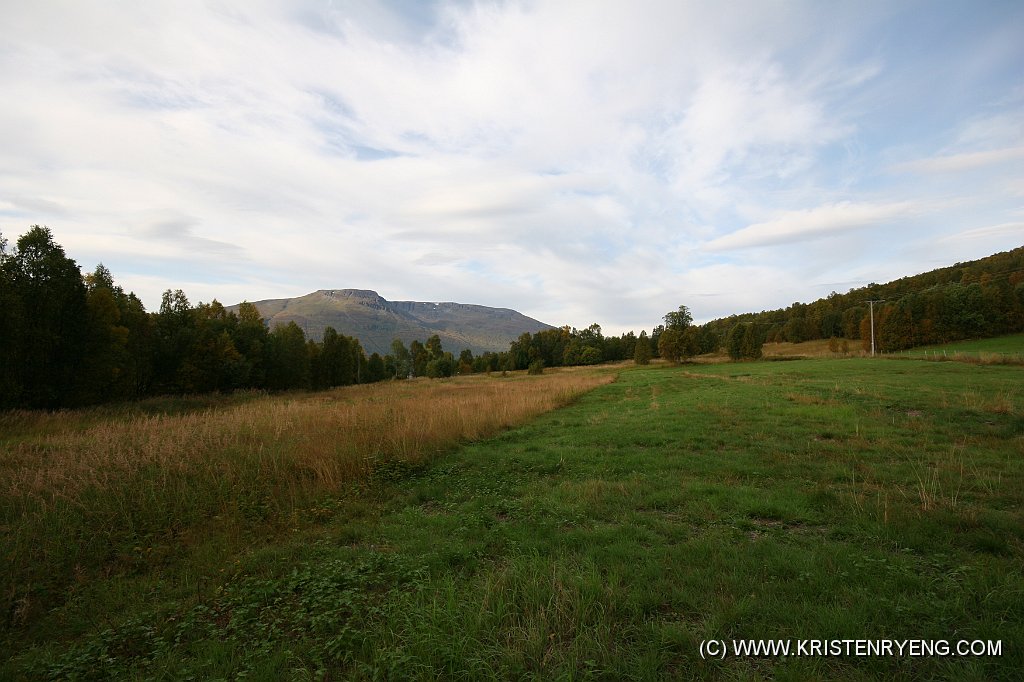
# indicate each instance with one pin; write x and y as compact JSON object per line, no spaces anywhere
{"x":846,"y":499}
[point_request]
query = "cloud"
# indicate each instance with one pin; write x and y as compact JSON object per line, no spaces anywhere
{"x":965,"y":161}
{"x":798,"y":226}
{"x":581,"y":162}
{"x":1014,"y":230}
{"x":180,"y":232}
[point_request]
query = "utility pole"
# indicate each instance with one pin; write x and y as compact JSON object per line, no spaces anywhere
{"x":871,"y":306}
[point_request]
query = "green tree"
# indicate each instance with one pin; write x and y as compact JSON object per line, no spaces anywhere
{"x":678,"y":319}
{"x":519,"y":351}
{"x":174,"y":334}
{"x":655,"y":338}
{"x":11,"y":325}
{"x":106,"y":342}
{"x":465,"y":364}
{"x":590,"y":356}
{"x":375,"y":368}
{"x":138,"y":377}
{"x":443,"y":366}
{"x":592,"y":338}
{"x":670,"y":345}
{"x":402,"y":359}
{"x":796,"y":330}
{"x":744,"y":342}
{"x":211,"y":362}
{"x":420,"y":357}
{"x":336,"y":359}
{"x":753,"y":342}
{"x":250,"y":339}
{"x":50,"y":322}
{"x":734,"y":341}
{"x":433,"y":348}
{"x":642,"y":350}
{"x":288,"y":358}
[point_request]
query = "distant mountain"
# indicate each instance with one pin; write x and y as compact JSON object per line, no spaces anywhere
{"x":376,"y":321}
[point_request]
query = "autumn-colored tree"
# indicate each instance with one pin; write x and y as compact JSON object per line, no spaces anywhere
{"x":670,"y":345}
{"x":465,"y":364}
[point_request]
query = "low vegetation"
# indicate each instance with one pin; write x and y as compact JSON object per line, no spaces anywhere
{"x":1000,"y":350}
{"x":90,"y":493}
{"x":814,"y":499}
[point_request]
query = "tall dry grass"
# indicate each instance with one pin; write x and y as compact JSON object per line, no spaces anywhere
{"x":78,"y":494}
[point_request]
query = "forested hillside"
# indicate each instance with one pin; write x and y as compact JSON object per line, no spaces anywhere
{"x":968,"y":300}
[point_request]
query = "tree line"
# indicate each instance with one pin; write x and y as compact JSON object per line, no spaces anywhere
{"x":68,"y":339}
{"x":976,"y":299}
{"x":71,"y":340}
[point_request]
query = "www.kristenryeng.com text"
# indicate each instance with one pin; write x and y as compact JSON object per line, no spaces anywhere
{"x":771,"y":648}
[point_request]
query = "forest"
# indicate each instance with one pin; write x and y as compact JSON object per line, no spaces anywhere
{"x":977,"y":299}
{"x":71,"y":339}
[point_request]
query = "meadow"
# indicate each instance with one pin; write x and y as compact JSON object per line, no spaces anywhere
{"x":97,"y":492}
{"x":824,"y":499}
{"x":1007,"y":349}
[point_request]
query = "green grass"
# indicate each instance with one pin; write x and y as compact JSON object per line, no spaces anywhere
{"x":1011,"y":345}
{"x":815,"y":499}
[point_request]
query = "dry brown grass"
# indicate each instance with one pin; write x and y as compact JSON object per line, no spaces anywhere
{"x":316,"y":439}
{"x":817,"y":348}
{"x":74,"y":487}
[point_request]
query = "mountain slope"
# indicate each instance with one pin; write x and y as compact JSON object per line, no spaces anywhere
{"x":376,"y":321}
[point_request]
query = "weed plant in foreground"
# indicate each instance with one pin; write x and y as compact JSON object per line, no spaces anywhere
{"x":807,"y":500}
{"x":86,"y":494}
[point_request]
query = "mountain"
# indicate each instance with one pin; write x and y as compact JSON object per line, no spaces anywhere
{"x":376,"y":321}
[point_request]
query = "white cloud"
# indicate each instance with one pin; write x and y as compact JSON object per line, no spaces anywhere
{"x":578,"y":161}
{"x":1013,"y":230}
{"x":965,"y":161}
{"x":802,"y":225}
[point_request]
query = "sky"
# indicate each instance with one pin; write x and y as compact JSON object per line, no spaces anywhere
{"x":578,"y":161}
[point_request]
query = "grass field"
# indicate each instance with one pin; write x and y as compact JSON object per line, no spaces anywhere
{"x":821,"y":499}
{"x":816,"y":348}
{"x":99,"y":492}
{"x":1011,"y":346}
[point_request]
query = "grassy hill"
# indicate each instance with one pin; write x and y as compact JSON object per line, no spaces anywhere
{"x":376,"y":321}
{"x":1011,"y":345}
